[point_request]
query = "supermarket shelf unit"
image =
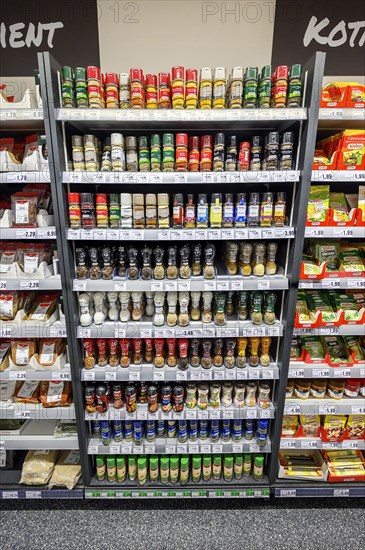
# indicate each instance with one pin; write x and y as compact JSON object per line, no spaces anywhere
{"x":296,"y":183}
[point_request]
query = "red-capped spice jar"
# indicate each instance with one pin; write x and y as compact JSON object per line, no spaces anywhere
{"x":130,"y":398}
{"x":118,"y":396}
{"x":148,"y":350}
{"x":137,"y":88}
{"x":164,"y":91}
{"x":206,"y":155}
{"x":178,"y":87}
{"x":159,"y":352}
{"x":111,"y":90}
{"x":137,"y":351}
{"x":94,"y":87}
{"x":113,"y":352}
{"x":151,"y":91}
{"x":244,"y":156}
{"x":125,"y":344}
{"x":88,"y":345}
{"x":191,"y":89}
{"x":102,"y":352}
{"x":102,"y":213}
{"x":74,"y":210}
{"x":280,"y":86}
{"x":352,"y":387}
{"x":194,"y":154}
{"x":181,"y":155}
{"x":102,"y":398}
{"x":90,"y":398}
{"x":183,"y":353}
{"x":171,"y":352}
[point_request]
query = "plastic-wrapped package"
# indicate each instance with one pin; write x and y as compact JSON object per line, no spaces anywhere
{"x":67,"y":471}
{"x":38,"y":467}
{"x":55,"y":394}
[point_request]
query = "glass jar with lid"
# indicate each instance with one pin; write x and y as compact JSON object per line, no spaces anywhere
{"x":190,"y":212}
{"x":207,"y":315}
{"x":196,"y":264}
{"x":253,"y":345}
{"x":256,"y":308}
{"x":195,"y":305}
{"x":269,"y":308}
{"x":183,"y":319}
{"x":227,"y":394}
{"x":229,"y":358}
{"x":172,"y":270}
{"x":245,"y":255}
{"x":147,"y":264}
{"x":171,"y":318}
{"x":267,"y":209}
{"x":243,"y":305}
{"x":209,"y":254}
{"x":230,"y":257}
{"x":228,"y":210}
{"x":202,"y":217}
{"x":216,"y":210}
{"x":259,"y":251}
{"x":271,"y":250}
{"x":254,"y":210}
{"x":194,"y":352}
{"x":241,"y":352}
{"x":218,"y":352}
{"x":185,"y":269}
{"x":133,"y":269}
{"x":159,"y":269}
{"x":206,"y":357}
{"x":219,"y":308}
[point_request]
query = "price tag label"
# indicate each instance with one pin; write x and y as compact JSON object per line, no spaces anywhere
{"x":181,"y":375}
{"x":208,"y":332}
{"x":214,"y":234}
{"x":331,"y":283}
{"x":267,"y":374}
{"x":214,"y":414}
{"x":356,"y":283}
{"x":358,"y":409}
{"x":73,"y":234}
{"x":7,"y":114}
{"x":3,"y":285}
{"x":33,"y":494}
{"x":146,"y":332}
{"x":314,"y":232}
{"x":350,"y":444}
{"x":193,"y":448}
{"x":230,"y":374}
{"x":158,"y":375}
{"x":79,"y":286}
{"x":296,"y":373}
{"x":134,"y":375}
{"x":59,"y":375}
{"x":181,"y":178}
{"x":84,"y":332}
{"x":86,"y":234}
{"x":2,"y":446}
{"x":210,"y":285}
{"x":311,"y":444}
{"x":190,"y":415}
{"x":188,"y":235}
{"x":217,"y":448}
{"x":342,"y":373}
{"x":343,"y":232}
{"x":284,"y":233}
{"x":176,"y":235}
{"x":222,"y":285}
{"x":149,"y":449}
{"x":17,"y":375}
{"x":47,"y":232}
{"x":92,"y":114}
{"x":254,"y":233}
{"x":287,"y":444}
{"x":143,"y":178}
{"x":241,"y":234}
{"x":88,"y":375}
{"x":100,"y":234}
{"x":242,"y":374}
{"x":171,"y":286}
{"x":288,"y":493}
{"x":20,"y":177}
{"x":327,"y":409}
{"x":138,"y":449}
{"x":25,"y":233}
{"x":110,"y":375}
{"x":253,"y":374}
{"x":292,"y":409}
{"x":29,"y":285}
{"x":201,"y":234}
{"x":127,"y":449}
{"x":120,"y":332}
{"x":184,"y":285}
{"x":227,"y":234}
{"x":251,"y":413}
{"x":10,"y":494}
{"x":263,"y":284}
{"x":163,"y":235}
{"x":268,"y":233}
{"x":137,"y":235}
{"x":120,"y":286}
{"x":93,"y":449}
{"x":321,"y":373}
{"x":341,"y":492}
{"x":21,"y":414}
{"x":156,"y":178}
{"x":206,"y":375}
{"x":195,"y":375}
{"x":156,"y":286}
{"x":112,"y":234}
{"x":236,"y":285}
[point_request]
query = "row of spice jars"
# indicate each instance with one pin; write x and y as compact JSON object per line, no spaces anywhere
{"x":183,"y":89}
{"x":167,"y":397}
{"x":319,"y":388}
{"x":146,"y":263}
{"x":207,"y":353}
{"x":178,"y":308}
{"x":181,"y":153}
{"x":139,"y":432}
{"x":139,"y":211}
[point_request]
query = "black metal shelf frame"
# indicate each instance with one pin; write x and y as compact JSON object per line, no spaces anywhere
{"x":306,"y":133}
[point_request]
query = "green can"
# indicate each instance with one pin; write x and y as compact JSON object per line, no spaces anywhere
{"x":143,"y":154}
{"x":238,"y":466}
{"x":207,"y":467}
{"x":155,"y":153}
{"x":132,"y":468}
{"x":67,"y":73}
{"x":80,"y":74}
{"x":217,"y":466}
{"x":100,"y":468}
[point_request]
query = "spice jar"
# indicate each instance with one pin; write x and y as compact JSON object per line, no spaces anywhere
{"x":159,"y":269}
{"x":185,"y":270}
{"x":108,"y":268}
{"x":130,"y":398}
{"x":178,"y":398}
{"x":155,"y":153}
{"x":122,"y":261}
{"x":215,"y":395}
{"x":95,"y":270}
{"x":178,"y":211}
{"x":302,"y":388}
{"x":263,"y":399}
{"x":131,"y":153}
{"x":82,"y":271}
{"x":74,"y":210}
{"x":280,"y":87}
{"x":151,"y":211}
{"x":126,"y":211}
{"x":90,"y":152}
{"x":137,"y":303}
{"x":250,"y":399}
{"x":250,"y":88}
{"x":203,"y":392}
{"x":219,"y":308}
{"x":147,"y":265}
{"x":171,"y":319}
{"x":133,"y":270}
{"x":117,"y":152}
{"x":227,"y":391}
{"x":191,"y":93}
{"x":244,"y":156}
{"x":231,"y":156}
{"x":216,"y":210}
{"x":168,"y":153}
{"x":254,"y":210}
{"x":163,"y":210}
{"x":125,"y":345}
{"x":138,"y":211}
{"x":114,"y":211}
{"x":245,"y":254}
{"x":230,"y":258}
{"x":243,"y":305}
{"x":150,"y":306}
{"x":87,"y":211}
{"x":280,"y":209}
{"x":267,"y":209}
{"x":219,"y":150}
{"x":318,"y":388}
{"x":194,"y":353}
{"x":137,"y":98}
{"x":183,"y":345}
{"x":335,"y":388}
{"x":171,"y":352}
{"x":241,"y":352}
{"x":254,"y":343}
{"x":106,"y":159}
{"x":159,"y":301}
{"x":183,"y":319}
{"x":78,"y":160}
{"x":181,"y":160}
{"x":240,"y":211}
{"x":101,"y":344}
{"x":164,"y":91}
{"x":166,"y":398}
{"x":152,"y":393}
{"x":264,"y":91}
{"x":196,"y":263}
{"x":205,"y":88}
{"x":178,"y":87}
{"x":144,"y":161}
{"x":137,"y":351}
{"x":117,"y":397}
{"x":289,"y":389}
{"x":271,"y":250}
{"x":239,"y":395}
{"x":256,"y":153}
{"x":124,"y":91}
{"x":269,"y":308}
{"x":113,"y":311}
{"x":190,"y":215}
{"x":229,"y":359}
{"x":124,"y":314}
{"x":256,"y":308}
{"x":194,"y":153}
{"x":143,"y":392}
{"x":228,"y":210}
{"x":264,"y":351}
{"x":151,"y":91}
{"x":218,"y":352}
{"x":195,"y":305}
{"x":148,"y":350}
{"x":172,"y":271}
{"x":206,"y":357}
{"x":191,"y":389}
{"x":219,"y":88}
{"x":89,"y":348}
{"x":202,"y":212}
{"x":258,"y":263}
{"x":209,"y":254}
{"x":235,"y":91}
{"x":286,"y":151}
{"x":229,"y":304}
{"x":207,"y":315}
{"x":102,"y":215}
{"x":159,"y":360}
{"x":206,"y":154}
{"x":113,"y":345}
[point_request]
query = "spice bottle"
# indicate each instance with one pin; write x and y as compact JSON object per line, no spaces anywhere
{"x":254,"y":210}
{"x":279,"y":90}
{"x":171,"y":319}
{"x":256,"y":308}
{"x":229,"y":359}
{"x":228,"y":467}
{"x":217,"y":466}
{"x":171,"y":349}
{"x":108,"y":268}
{"x":242,"y":304}
{"x":78,"y":153}
{"x":178,"y":211}
{"x":218,"y":352}
{"x":82,"y":271}
{"x":230,"y":257}
{"x":106,"y":159}
{"x":219,"y":147}
{"x":172,"y":271}
{"x":258,"y":263}
{"x":194,"y":353}
{"x":144,"y":162}
{"x":247,"y":463}
{"x":181,"y":161}
{"x":163,"y":210}
{"x":254,"y":343}
{"x":271,"y":250}
{"x":151,"y":211}
{"x":216,"y":210}
{"x":241,"y":352}
{"x":235,"y":89}
{"x":256,"y":153}
{"x":271,"y":156}
{"x":151,"y":91}
{"x":117,"y":153}
{"x":183,"y":345}
{"x":168,"y":153}
{"x":280,"y":209}
{"x":219,"y":88}
{"x":178,"y":400}
{"x":269,"y":308}
{"x":87,"y":210}
{"x":74,"y":210}
{"x":231,"y":157}
{"x":206,"y":360}
{"x":155,"y":153}
{"x":125,"y":345}
{"x":219,"y":308}
{"x":244,"y":156}
{"x":286,"y":151}
{"x":194,"y":153}
{"x":136,"y":89}
{"x":178,"y":87}
{"x":147,"y":265}
{"x":265,"y":87}
{"x":228,"y":210}
{"x":114,"y":211}
{"x":124,"y":91}
{"x":133,"y":270}
{"x":205,"y":88}
{"x":191,"y":93}
{"x":202,"y":211}
{"x":132,"y":157}
{"x":91,"y":157}
{"x":207,"y":314}
{"x":138,"y":211}
{"x":295,"y":86}
{"x":209,"y":254}
{"x":159,"y":317}
{"x":258,"y":467}
{"x":68,"y":89}
{"x":159,"y":270}
{"x":94,"y":87}
{"x":264,"y":351}
{"x":164,"y":91}
{"x":195,"y":305}
{"x":159,"y":360}
{"x":250,"y":88}
{"x":183,"y":319}
{"x":111,"y":91}
{"x":190,"y":212}
{"x":196,"y":468}
{"x":206,"y":156}
{"x":240,"y":212}
{"x":126,"y":211}
{"x":196,"y":263}
{"x":266,"y":209}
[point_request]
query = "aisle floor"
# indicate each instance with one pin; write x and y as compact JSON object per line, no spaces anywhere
{"x":161,"y":525}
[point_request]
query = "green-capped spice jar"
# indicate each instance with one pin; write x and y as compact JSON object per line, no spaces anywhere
{"x":247,"y":461}
{"x":121,"y":469}
{"x":143,"y":154}
{"x":153,"y":470}
{"x":295,"y":86}
{"x":174,"y":469}
{"x":142,"y":470}
{"x":132,"y":468}
{"x":228,"y":467}
{"x":265,"y":87}
{"x":111,"y":467}
{"x":217,"y":466}
{"x":196,"y":472}
{"x":238,"y":466}
{"x":155,"y":153}
{"x":258,"y":467}
{"x":164,"y":469}
{"x":100,"y":468}
{"x":168,"y":152}
{"x":184,"y":470}
{"x":250,"y":88}
{"x":207,"y":467}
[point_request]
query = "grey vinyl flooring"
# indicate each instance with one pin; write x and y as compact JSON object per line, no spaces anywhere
{"x":201,"y":525}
